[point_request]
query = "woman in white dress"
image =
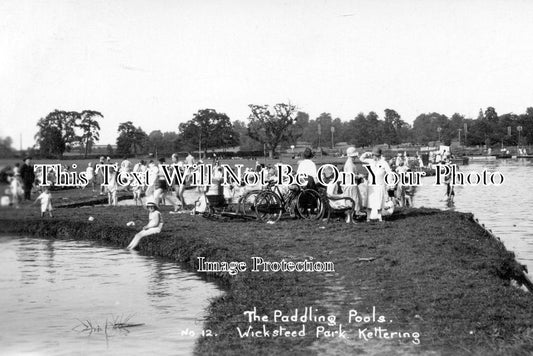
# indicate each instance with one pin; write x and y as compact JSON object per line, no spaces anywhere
{"x":352,"y":190}
{"x":307,"y":167}
{"x":377,"y":188}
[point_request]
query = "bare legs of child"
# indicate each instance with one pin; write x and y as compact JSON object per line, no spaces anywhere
{"x":143,"y":233}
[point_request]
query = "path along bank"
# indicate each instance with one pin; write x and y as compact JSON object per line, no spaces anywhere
{"x":434,"y":274}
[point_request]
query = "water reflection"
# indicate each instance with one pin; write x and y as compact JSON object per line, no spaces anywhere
{"x":48,"y":285}
{"x":505,"y":209}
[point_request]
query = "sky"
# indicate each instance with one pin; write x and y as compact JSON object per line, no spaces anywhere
{"x":157,"y":62}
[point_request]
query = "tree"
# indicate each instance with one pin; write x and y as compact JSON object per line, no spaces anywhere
{"x":155,"y":142}
{"x":394,"y":127}
{"x":271,"y":126}
{"x":208,"y":129}
{"x":325,"y":121}
{"x":308,"y":127}
{"x":426,"y":128}
{"x":90,"y":128}
{"x":50,"y":141}
{"x":505,"y":121}
{"x":491,"y":115}
{"x":526,"y":121}
{"x":5,"y":147}
{"x":109,"y":150}
{"x":56,"y":132}
{"x":163,"y":143}
{"x":131,"y":139}
{"x":374,"y":128}
{"x":297,"y":131}
{"x":246,"y":142}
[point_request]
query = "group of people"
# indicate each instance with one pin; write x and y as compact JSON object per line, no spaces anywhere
{"x":372,"y":200}
{"x":21,"y":183}
{"x":154,"y":190}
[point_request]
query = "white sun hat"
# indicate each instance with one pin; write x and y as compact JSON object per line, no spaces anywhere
{"x":351,"y":152}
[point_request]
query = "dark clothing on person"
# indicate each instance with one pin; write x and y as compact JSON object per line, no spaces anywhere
{"x":28,"y":177}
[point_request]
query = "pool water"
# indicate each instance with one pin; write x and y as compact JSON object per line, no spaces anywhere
{"x":58,"y":296}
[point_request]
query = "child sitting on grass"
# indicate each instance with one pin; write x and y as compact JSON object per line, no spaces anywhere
{"x":154,"y":226}
{"x":46,"y":202}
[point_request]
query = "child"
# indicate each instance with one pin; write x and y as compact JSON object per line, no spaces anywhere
{"x":154,"y":226}
{"x":112,"y":188}
{"x":46,"y":202}
{"x":450,"y":193}
{"x":137,"y":190}
{"x":89,"y":174}
{"x":409,"y":193}
{"x":16,"y":190}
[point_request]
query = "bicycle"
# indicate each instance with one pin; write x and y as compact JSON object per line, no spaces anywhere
{"x":270,"y":203}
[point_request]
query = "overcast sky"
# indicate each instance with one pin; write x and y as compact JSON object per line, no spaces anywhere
{"x":158,"y":62}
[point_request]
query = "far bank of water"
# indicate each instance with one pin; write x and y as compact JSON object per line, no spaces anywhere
{"x":506,"y":209}
{"x":49,"y":287}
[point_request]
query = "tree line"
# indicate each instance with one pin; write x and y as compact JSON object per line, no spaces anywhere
{"x":277,"y":127}
{"x":61,"y":130}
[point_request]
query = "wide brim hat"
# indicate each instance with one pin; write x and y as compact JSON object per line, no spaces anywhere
{"x":351,"y":152}
{"x":152,"y":204}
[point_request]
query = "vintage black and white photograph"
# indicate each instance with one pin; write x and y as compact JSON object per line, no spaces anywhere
{"x":319,"y":177}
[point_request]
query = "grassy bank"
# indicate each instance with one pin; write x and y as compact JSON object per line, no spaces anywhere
{"x":429,"y":272}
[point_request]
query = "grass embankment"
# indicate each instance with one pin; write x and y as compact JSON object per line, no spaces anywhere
{"x":437,"y":273}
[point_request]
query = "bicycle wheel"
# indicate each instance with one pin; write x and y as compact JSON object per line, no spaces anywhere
{"x":310,"y":205}
{"x":268,"y":206}
{"x":247,"y":203}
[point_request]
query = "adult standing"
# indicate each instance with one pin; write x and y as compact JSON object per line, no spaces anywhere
{"x":351,"y":189}
{"x":153,"y":174}
{"x":125,"y":165}
{"x":99,"y":172}
{"x":399,"y":159}
{"x":89,"y":174}
{"x":161,"y":183}
{"x":125,"y":169}
{"x":28,"y":177}
{"x":189,"y":160}
{"x":179,"y":189}
{"x":377,"y":188}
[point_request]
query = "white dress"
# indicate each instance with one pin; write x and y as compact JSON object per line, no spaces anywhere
{"x":331,"y":190}
{"x":46,"y":202}
{"x":307,"y":167}
{"x":377,"y":193}
{"x":350,"y":190}
{"x":89,"y":173}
